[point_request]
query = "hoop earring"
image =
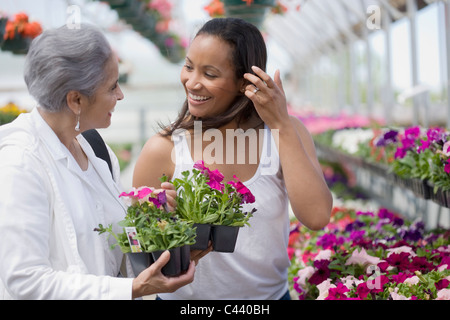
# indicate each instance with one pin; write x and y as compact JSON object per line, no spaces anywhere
{"x":77,"y":126}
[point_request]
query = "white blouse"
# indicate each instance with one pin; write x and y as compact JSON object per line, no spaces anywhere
{"x":49,"y":208}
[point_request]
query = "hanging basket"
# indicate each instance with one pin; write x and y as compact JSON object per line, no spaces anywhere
{"x":117,"y":3}
{"x":254,"y":13}
{"x":3,"y":22}
{"x":18,"y":45}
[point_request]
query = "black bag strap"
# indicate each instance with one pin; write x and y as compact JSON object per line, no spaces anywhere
{"x":96,"y":141}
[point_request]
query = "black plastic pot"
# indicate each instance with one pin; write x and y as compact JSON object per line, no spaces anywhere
{"x":203,"y":236}
{"x":179,"y":260}
{"x":140,"y":261}
{"x":224,"y":238}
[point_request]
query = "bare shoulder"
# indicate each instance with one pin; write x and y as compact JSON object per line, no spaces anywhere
{"x":155,"y":159}
{"x":157,"y":145}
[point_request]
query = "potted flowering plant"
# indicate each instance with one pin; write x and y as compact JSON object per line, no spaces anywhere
{"x":9,"y":112}
{"x":253,"y":11}
{"x":19,"y":33}
{"x":212,"y":205}
{"x":149,"y":229}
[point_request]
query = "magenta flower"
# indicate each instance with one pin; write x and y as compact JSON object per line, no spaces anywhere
{"x":154,"y":201}
{"x":442,"y":284}
{"x":420,"y":264}
{"x":200,"y":165}
{"x":399,"y":260}
{"x":247,"y":196}
{"x":412,"y":132}
{"x":219,"y":203}
{"x":445,"y":261}
{"x":329,"y":240}
{"x":357,"y":235}
{"x":214,"y":177}
{"x":378,"y":284}
{"x":400,"y":153}
{"x":447,"y":166}
{"x":401,"y":277}
{"x":362,"y":290}
{"x":143,"y":192}
{"x":425,"y":144}
{"x":125,"y":194}
{"x":322,"y":272}
{"x":338,"y":293}
{"x":436,"y":134}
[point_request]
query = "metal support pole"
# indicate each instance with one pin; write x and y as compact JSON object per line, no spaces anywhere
{"x":388,"y":92}
{"x":354,"y":89}
{"x":341,"y":82}
{"x":447,"y":34}
{"x":412,"y":10}
{"x":370,"y":82}
{"x":369,"y":88}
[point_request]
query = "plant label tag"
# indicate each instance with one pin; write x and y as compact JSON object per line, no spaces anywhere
{"x":132,"y":239}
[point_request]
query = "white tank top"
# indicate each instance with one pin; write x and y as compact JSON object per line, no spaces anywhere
{"x":257,"y":269}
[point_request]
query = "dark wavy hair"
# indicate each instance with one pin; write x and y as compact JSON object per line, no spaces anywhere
{"x":249,"y":49}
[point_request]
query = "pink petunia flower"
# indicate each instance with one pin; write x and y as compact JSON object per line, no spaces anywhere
{"x":303,"y":275}
{"x":443,"y":294}
{"x":324,"y":287}
{"x":446,"y":148}
{"x":143,"y":192}
{"x":406,"y":249}
{"x":412,"y":280}
{"x":362,"y":258}
{"x":324,"y":255}
{"x":396,"y":296}
{"x":247,"y":196}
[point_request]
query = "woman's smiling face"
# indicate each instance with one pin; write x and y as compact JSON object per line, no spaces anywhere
{"x":101,"y":106}
{"x":209,"y":76}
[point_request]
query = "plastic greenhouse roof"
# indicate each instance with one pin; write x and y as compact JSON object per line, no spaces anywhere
{"x":321,"y":26}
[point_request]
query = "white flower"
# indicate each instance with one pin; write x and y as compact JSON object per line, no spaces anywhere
{"x":413,"y":280}
{"x":323,"y":287}
{"x":362,"y":258}
{"x":323,"y":255}
{"x":304,"y":274}
{"x":348,"y":139}
{"x":402,"y":249}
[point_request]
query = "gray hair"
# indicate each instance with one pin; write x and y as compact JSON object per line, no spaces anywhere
{"x":60,"y":60}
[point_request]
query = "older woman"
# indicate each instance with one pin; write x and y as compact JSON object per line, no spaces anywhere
{"x":54,"y":191}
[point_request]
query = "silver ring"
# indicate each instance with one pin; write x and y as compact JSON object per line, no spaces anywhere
{"x":256,"y":90}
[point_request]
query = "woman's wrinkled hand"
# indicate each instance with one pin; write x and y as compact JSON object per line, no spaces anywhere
{"x":152,"y":280}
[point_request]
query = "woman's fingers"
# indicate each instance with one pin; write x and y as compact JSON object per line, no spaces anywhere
{"x":162,"y":260}
{"x":267,"y":80}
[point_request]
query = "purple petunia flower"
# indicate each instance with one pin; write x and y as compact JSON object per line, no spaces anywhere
{"x":322,"y":272}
